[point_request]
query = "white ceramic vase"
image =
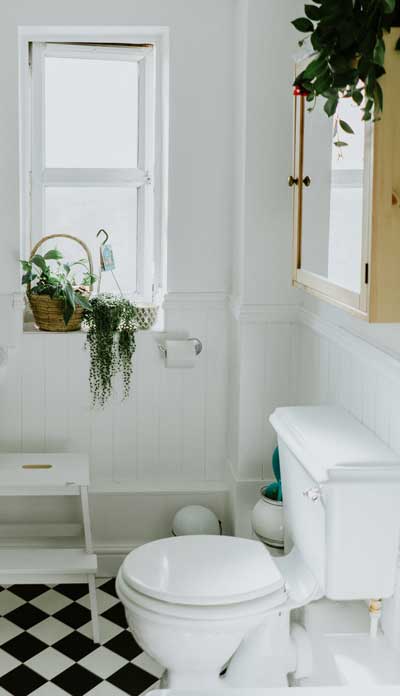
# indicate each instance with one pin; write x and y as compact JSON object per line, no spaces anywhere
{"x":267,"y":521}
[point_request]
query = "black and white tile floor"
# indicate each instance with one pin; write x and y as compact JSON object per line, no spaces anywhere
{"x":46,"y":646}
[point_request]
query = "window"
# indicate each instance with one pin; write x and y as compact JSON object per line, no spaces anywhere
{"x":94,"y":154}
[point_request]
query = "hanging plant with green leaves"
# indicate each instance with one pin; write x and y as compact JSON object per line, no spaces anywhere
{"x":111,"y":338}
{"x":348,"y":39}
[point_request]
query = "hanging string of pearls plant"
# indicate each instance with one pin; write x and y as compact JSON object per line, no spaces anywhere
{"x":111,"y":338}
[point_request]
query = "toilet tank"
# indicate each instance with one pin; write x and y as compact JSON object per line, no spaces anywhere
{"x":341,"y":493}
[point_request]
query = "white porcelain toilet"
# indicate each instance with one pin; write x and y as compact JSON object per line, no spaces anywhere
{"x":194,"y":603}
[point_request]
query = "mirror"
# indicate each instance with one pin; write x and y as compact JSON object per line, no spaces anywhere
{"x":332,"y":196}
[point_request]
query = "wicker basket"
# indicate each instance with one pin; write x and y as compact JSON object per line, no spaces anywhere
{"x":48,"y":313}
{"x":145,"y":316}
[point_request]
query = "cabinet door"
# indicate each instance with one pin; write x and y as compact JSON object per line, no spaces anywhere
{"x":332,"y":185}
{"x":385,"y":243}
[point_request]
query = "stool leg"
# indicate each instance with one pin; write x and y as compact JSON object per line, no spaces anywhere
{"x":93,"y":608}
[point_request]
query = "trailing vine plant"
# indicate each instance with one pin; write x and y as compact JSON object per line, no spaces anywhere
{"x":112,"y":343}
{"x":348,"y":39}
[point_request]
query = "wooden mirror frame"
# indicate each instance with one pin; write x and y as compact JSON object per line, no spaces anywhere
{"x":318,"y":285}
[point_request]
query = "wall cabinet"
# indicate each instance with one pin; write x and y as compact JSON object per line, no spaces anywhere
{"x":346,"y":202}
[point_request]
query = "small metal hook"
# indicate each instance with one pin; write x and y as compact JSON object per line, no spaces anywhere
{"x":106,"y":236}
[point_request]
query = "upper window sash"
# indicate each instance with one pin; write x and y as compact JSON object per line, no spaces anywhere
{"x":99,"y":52}
{"x":142,"y":177}
{"x":144,"y":56}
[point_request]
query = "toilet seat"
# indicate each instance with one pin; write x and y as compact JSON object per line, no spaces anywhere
{"x":159,"y":608}
{"x":202,"y":571}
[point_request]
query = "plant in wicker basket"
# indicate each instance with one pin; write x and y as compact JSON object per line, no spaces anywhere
{"x":53,"y":290}
{"x":111,"y":339}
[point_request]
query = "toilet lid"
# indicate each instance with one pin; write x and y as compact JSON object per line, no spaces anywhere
{"x":202,"y":570}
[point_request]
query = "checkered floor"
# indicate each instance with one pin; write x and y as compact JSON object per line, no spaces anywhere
{"x":46,"y":648}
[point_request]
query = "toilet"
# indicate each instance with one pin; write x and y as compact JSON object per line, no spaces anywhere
{"x":202,"y":605}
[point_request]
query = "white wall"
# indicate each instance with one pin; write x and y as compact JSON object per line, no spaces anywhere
{"x":201,"y":126}
{"x":230,"y":155}
{"x":172,"y":430}
{"x":270,"y":352}
{"x":261,"y":314}
{"x":267,"y":222}
{"x":47,"y":399}
{"x":285,"y":354}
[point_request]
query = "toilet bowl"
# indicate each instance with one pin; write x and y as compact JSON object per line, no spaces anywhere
{"x":192,"y":609}
{"x":194,"y":603}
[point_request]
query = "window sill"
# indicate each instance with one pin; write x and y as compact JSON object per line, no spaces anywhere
{"x":31,"y":329}
{"x":29,"y":326}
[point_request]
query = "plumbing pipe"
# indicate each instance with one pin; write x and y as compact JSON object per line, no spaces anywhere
{"x":375,"y":611}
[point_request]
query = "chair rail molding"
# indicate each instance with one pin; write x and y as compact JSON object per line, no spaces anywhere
{"x":262,"y":313}
{"x":182,"y":300}
{"x":377,"y":358}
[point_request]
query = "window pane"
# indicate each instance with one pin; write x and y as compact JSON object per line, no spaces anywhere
{"x":81,"y":212}
{"x":91,"y":113}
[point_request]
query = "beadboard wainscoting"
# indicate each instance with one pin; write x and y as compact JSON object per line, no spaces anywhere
{"x":171,"y":428}
{"x":263,"y":378}
{"x":162,"y":448}
{"x":287,"y":355}
{"x":336,"y":367}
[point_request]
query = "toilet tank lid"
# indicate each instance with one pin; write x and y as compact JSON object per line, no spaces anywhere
{"x":202,"y":570}
{"x":331,"y":444}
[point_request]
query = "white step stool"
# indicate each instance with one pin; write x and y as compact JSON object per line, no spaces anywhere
{"x":52,"y":475}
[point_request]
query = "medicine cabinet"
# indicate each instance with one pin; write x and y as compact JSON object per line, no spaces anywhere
{"x":346,"y":202}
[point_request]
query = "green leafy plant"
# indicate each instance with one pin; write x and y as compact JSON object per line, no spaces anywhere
{"x":274,"y":490}
{"x":58,"y":282}
{"x":348,"y":39}
{"x":112,"y":343}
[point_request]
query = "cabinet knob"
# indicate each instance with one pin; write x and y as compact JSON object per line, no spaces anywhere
{"x":292,"y":181}
{"x":307,"y":181}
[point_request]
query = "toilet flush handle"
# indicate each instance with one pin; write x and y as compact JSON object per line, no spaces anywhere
{"x":312,"y":494}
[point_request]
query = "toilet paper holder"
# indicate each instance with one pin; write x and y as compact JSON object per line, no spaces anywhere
{"x":198,"y":346}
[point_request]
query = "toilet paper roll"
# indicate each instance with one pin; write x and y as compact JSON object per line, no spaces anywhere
{"x":180,"y":353}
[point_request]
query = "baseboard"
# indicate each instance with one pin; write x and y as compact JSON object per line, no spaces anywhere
{"x":110,"y":557}
{"x":243,"y":495}
{"x":157,"y":487}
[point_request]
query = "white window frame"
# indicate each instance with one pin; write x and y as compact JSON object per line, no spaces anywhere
{"x":150,"y":178}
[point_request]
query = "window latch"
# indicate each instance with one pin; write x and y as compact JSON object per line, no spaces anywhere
{"x":148,"y":179}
